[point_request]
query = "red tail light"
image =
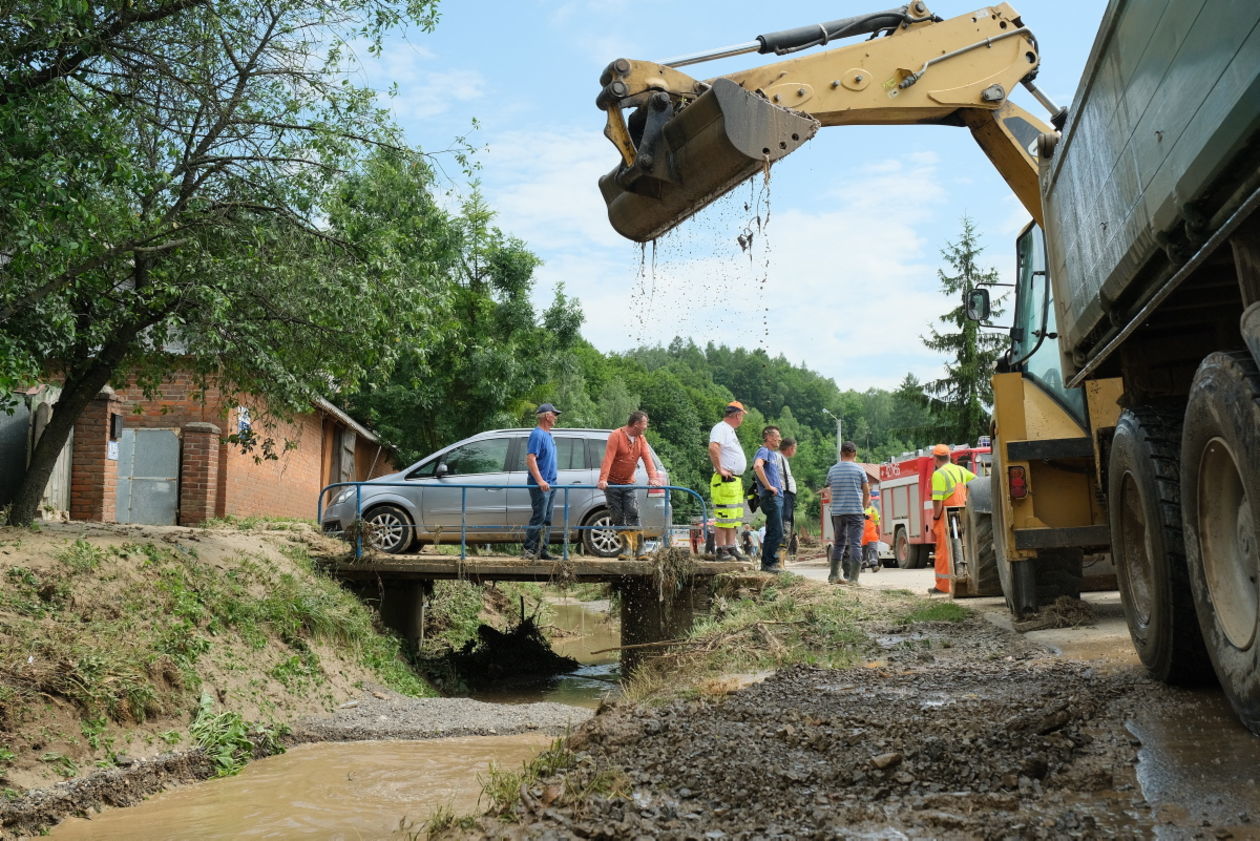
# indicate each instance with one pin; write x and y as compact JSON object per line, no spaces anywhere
{"x":1018,"y":479}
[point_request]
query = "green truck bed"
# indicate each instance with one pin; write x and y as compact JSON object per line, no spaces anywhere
{"x":1163,"y":131}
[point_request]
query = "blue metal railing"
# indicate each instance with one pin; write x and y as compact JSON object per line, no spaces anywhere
{"x":463,"y":508}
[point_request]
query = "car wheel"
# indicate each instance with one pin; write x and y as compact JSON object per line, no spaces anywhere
{"x":389,"y":529}
{"x":599,"y":538}
{"x":1220,"y":510}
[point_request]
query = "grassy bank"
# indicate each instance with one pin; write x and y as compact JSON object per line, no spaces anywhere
{"x":122,"y":642}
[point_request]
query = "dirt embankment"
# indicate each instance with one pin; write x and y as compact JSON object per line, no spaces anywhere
{"x":133,"y":658}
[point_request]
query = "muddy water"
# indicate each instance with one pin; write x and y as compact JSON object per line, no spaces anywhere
{"x":1198,"y":766}
{"x":344,"y":790}
{"x":589,"y":629}
{"x":363,"y":790}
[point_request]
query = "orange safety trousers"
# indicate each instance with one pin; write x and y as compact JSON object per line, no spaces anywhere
{"x":942,"y":566}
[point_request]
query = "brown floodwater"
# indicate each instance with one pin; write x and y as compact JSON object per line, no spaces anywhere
{"x":357,"y":791}
{"x":366,"y":791}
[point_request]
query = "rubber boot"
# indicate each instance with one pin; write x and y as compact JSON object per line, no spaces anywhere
{"x":834,"y":575}
{"x":635,"y":539}
{"x":627,"y":546}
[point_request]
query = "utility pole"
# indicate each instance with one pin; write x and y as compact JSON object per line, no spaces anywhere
{"x":839,"y":431}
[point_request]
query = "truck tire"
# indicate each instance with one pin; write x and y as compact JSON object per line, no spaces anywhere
{"x":920,"y":555}
{"x":1220,"y":481}
{"x":985,"y":580}
{"x":1144,"y":507}
{"x":901,"y":548}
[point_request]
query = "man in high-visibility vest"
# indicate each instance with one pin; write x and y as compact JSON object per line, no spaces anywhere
{"x":870,"y":537}
{"x":949,"y":490}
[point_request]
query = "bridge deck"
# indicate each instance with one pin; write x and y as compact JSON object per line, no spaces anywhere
{"x":506,"y":568}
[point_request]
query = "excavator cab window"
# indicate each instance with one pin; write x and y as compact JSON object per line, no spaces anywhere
{"x":1034,"y":348}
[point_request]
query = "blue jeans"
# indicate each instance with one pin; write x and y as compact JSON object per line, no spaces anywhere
{"x":848,"y":542}
{"x":540,"y":519}
{"x":772,"y":505}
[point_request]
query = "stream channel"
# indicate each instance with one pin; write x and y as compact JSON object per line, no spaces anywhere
{"x":365,"y":791}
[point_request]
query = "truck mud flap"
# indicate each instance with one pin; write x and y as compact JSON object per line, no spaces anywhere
{"x":696,"y":155}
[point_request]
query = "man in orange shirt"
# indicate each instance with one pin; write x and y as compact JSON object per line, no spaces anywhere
{"x":626,"y":447}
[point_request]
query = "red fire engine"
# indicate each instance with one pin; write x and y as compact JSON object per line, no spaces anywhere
{"x":905,"y":485}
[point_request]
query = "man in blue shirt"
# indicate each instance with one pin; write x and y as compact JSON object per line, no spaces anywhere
{"x":850,"y":496}
{"x":540,"y":460}
{"x":770,"y":489}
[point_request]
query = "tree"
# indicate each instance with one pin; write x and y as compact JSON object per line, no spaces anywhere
{"x":168,"y":175}
{"x":489,"y":359}
{"x":966,"y":391}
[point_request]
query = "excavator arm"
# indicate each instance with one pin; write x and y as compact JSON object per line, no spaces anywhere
{"x":685,"y":142}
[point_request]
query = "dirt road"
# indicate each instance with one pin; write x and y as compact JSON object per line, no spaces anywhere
{"x":950,"y":730}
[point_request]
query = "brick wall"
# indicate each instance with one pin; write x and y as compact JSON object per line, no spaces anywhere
{"x":93,"y":475}
{"x":219,"y":479}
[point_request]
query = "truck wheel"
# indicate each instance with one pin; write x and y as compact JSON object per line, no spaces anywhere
{"x":920,"y":555}
{"x":1220,"y":480}
{"x":389,"y":529}
{"x":981,"y":554}
{"x":1144,"y":502}
{"x":901,"y":548}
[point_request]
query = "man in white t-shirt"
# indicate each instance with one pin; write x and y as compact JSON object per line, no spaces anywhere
{"x":726,"y":488}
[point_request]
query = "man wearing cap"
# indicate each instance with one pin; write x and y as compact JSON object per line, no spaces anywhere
{"x":770,"y":487}
{"x":626,"y":447}
{"x":850,"y":495}
{"x":540,"y":460}
{"x":726,"y":488}
{"x":949,"y":490}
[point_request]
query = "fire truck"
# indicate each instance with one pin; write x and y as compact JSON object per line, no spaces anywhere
{"x":905,"y":504}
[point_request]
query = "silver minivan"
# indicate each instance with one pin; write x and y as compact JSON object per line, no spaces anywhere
{"x":418,"y":505}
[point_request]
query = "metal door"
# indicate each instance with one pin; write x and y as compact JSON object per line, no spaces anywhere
{"x":148,"y":476}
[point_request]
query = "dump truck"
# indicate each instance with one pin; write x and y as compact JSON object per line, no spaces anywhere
{"x":1127,"y":409}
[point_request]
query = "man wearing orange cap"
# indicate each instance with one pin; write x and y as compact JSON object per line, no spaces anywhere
{"x":949,"y":490}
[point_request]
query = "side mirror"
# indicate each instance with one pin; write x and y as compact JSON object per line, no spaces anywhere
{"x":977,"y":304}
{"x":442,"y":470}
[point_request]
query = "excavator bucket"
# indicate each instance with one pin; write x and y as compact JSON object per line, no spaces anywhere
{"x":688,"y":158}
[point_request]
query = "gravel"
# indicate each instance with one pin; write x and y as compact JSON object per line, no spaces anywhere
{"x":384,"y":714}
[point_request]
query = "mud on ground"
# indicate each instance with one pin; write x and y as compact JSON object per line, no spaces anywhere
{"x":950,"y":731}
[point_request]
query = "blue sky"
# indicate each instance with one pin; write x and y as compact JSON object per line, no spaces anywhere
{"x":844,"y":280}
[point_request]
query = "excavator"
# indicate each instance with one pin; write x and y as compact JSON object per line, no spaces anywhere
{"x":684,"y":142}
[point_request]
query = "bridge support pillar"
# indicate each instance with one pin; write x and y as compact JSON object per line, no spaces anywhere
{"x":647,"y":615}
{"x":402,"y":607}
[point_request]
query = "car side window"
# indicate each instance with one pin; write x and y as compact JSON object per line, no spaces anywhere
{"x":477,"y":457}
{"x":595,"y":452}
{"x":570,"y":453}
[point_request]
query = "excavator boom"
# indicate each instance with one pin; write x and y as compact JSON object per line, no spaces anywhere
{"x":685,"y":142}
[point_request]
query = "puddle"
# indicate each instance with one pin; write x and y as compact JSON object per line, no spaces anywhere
{"x":911,"y":640}
{"x":332,"y":791}
{"x":1198,"y":766}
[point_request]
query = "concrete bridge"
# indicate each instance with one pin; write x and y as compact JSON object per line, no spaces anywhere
{"x":653,"y":607}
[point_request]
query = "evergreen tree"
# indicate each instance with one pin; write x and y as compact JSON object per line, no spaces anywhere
{"x":965,"y":393}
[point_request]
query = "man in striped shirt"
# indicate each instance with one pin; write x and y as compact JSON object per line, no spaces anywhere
{"x":850,"y":495}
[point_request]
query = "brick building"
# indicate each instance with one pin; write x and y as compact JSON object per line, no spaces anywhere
{"x":167,"y":460}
